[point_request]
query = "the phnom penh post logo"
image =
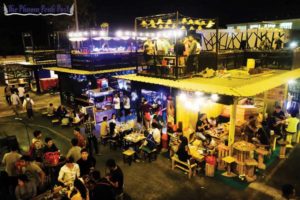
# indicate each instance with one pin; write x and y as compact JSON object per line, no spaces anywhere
{"x":42,"y":10}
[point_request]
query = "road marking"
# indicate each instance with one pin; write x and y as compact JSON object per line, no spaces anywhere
{"x":268,"y":190}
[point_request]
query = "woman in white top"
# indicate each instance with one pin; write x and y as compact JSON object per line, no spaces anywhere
{"x":69,"y":172}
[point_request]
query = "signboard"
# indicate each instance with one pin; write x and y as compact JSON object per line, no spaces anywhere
{"x":23,"y":9}
{"x":64,"y":60}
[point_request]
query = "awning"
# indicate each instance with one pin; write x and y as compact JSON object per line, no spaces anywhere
{"x":231,"y":86}
{"x":86,"y":72}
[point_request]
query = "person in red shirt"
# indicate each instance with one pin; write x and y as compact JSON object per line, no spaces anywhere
{"x":80,"y":138}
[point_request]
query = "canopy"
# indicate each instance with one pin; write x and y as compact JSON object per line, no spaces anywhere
{"x":238,"y":86}
{"x":85,"y":72}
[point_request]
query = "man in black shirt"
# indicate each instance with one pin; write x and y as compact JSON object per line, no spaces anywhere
{"x":50,"y":146}
{"x":278,"y":121}
{"x":102,"y":188}
{"x":115,"y":177}
{"x":86,"y":162}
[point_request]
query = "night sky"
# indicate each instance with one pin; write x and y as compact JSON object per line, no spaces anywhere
{"x":121,"y":14}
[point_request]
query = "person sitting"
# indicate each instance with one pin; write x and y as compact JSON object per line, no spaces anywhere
{"x":69,"y":172}
{"x":278,"y":122}
{"x":115,"y":176}
{"x":9,"y":160}
{"x":33,"y":171}
{"x":149,"y":144}
{"x":156,"y":134}
{"x":104,"y":128}
{"x":212,"y":122}
{"x":250,"y":128}
{"x":37,"y":145}
{"x":209,"y":143}
{"x":50,"y":146}
{"x":75,"y":150}
{"x":86,"y":163}
{"x":25,"y":189}
{"x":183,"y":152}
{"x":79,"y":191}
{"x":288,"y":192}
{"x":112,"y":127}
{"x":202,"y":123}
{"x":61,"y":112}
{"x":80,"y":138}
{"x":102,"y":189}
{"x":51,"y":110}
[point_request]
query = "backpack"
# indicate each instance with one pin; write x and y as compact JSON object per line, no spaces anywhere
{"x":28,"y":104}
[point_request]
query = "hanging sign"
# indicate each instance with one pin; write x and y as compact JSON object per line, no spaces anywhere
{"x":40,"y":10}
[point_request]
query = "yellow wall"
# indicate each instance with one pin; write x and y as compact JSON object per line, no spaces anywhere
{"x":188,"y":117}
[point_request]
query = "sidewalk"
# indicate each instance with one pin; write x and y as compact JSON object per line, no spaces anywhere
{"x":41,"y":102}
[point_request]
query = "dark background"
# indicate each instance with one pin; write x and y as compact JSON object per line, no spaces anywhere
{"x":121,"y":14}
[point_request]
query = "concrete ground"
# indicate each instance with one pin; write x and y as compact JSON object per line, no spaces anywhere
{"x":156,"y":180}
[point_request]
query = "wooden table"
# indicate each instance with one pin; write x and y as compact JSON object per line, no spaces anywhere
{"x":242,"y":151}
{"x":194,"y":151}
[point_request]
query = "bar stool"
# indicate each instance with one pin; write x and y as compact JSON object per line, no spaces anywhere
{"x":261,"y":153}
{"x":250,"y":169}
{"x":228,"y":160}
{"x":128,"y":156}
{"x":282,"y":149}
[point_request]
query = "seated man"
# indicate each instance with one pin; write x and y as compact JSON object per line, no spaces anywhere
{"x":104,"y":128}
{"x":86,"y":163}
{"x":50,"y":146}
{"x":51,"y":110}
{"x":69,"y":172}
{"x":156,"y":133}
{"x":149,"y":143}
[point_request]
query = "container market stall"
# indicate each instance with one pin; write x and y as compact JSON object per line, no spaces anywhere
{"x":232,"y":88}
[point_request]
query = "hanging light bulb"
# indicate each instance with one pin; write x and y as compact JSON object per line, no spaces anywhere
{"x":153,"y":26}
{"x":167,"y":26}
{"x":190,"y":22}
{"x":161,"y":26}
{"x":183,"y":28}
{"x":152,"y":22}
{"x":174,"y":26}
{"x":144,"y":23}
{"x":197,"y":22}
{"x":169,"y":22}
{"x":192,"y":28}
{"x":210,"y":24}
{"x":160,"y":21}
{"x":184,"y":21}
{"x":199,"y":28}
{"x":202,"y":23}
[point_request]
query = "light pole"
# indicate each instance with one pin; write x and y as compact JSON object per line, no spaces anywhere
{"x":76,"y":15}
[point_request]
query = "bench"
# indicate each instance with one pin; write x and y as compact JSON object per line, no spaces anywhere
{"x":185,"y":166}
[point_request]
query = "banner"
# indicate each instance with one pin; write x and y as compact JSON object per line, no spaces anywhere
{"x":41,"y":10}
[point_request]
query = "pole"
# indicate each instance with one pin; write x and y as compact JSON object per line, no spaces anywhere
{"x":232,"y":121}
{"x":176,"y":61}
{"x":136,"y":45}
{"x":76,"y":15}
{"x":217,"y":41}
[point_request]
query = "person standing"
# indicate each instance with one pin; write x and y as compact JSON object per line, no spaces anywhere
{"x":117,"y":106}
{"x":89,"y":128}
{"x":75,"y":150}
{"x":21,"y":92}
{"x":16,"y":102}
{"x":126,"y":102}
{"x":80,"y":138}
{"x":28,"y":104}
{"x":192,"y":55}
{"x":10,"y":159}
{"x":7,"y":91}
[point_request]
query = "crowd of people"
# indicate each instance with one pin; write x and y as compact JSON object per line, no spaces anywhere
{"x":18,"y":99}
{"x":187,"y":50}
{"x":44,"y":166}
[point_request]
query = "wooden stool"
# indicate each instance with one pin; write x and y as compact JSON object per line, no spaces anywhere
{"x":223,"y":151}
{"x":209,"y":170}
{"x":282,"y":149}
{"x":228,"y":160}
{"x":261,"y":153}
{"x":250,"y":169}
{"x":289,"y":138}
{"x":55,"y":121}
{"x":128,"y":156}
